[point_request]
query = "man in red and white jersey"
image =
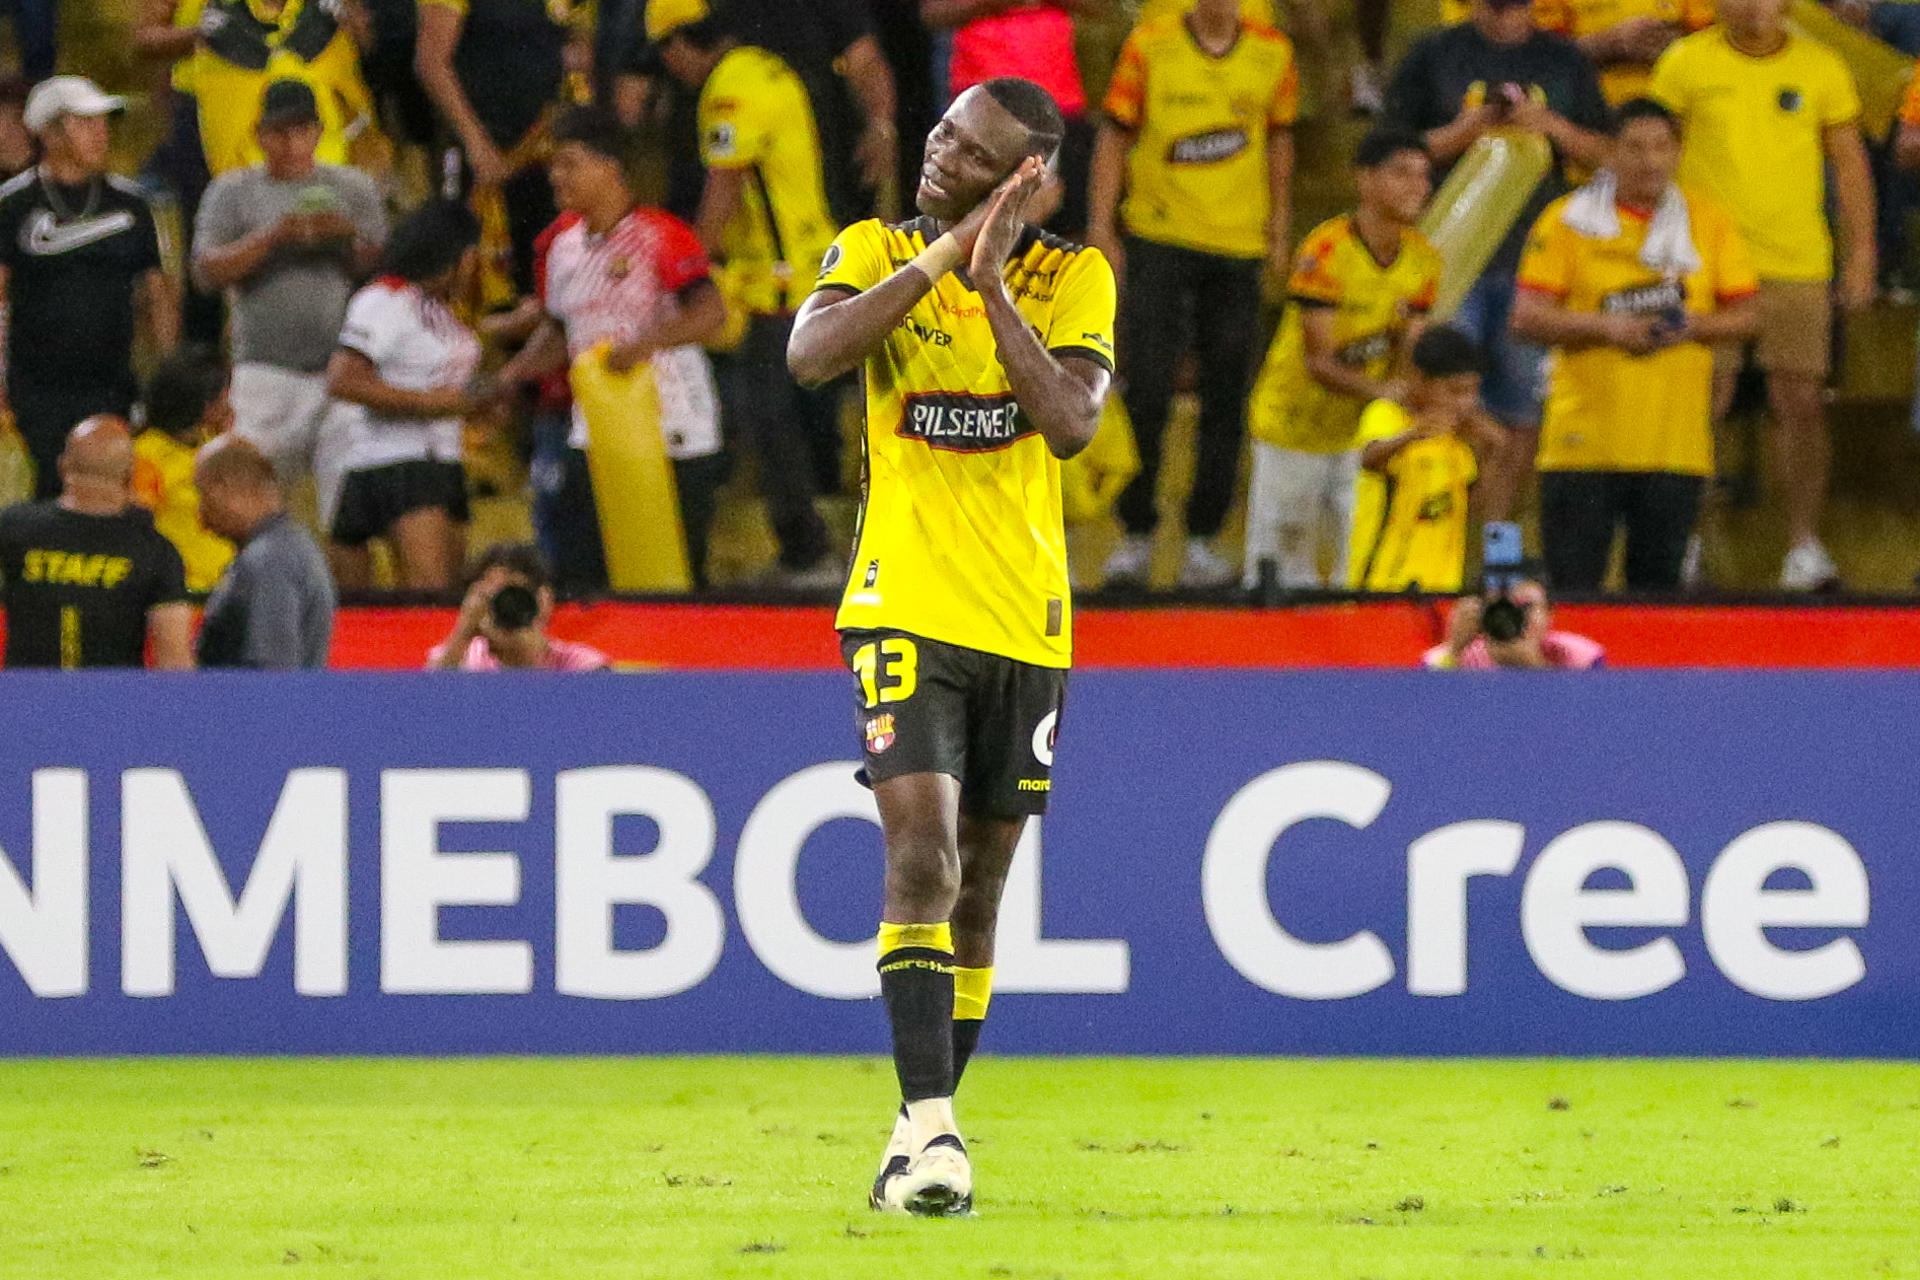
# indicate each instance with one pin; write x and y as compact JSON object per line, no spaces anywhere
{"x":637,"y":280}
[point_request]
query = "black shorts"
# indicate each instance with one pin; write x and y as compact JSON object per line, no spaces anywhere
{"x":923,"y":706}
{"x":371,"y":500}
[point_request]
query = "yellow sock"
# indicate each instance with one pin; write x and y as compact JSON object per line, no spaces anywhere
{"x":972,"y":993}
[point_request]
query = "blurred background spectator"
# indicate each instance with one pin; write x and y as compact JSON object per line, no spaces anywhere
{"x":405,"y":374}
{"x":89,"y":582}
{"x":1198,"y":133}
{"x":1767,"y":112}
{"x":763,"y":217}
{"x":82,"y":275}
{"x":1631,"y":282}
{"x":272,"y":609}
{"x":1537,"y":647}
{"x":635,"y":280}
{"x":186,"y":405}
{"x":288,"y":239}
{"x":503,"y":620}
{"x":1498,"y":70}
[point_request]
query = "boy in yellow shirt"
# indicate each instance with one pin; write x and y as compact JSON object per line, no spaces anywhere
{"x":186,"y":406}
{"x":1423,"y":453}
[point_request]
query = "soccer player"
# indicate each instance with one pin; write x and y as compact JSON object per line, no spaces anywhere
{"x":1423,"y":453}
{"x":1358,"y":297}
{"x":987,"y":347}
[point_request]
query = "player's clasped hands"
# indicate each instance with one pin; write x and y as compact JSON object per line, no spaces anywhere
{"x":995,"y":225}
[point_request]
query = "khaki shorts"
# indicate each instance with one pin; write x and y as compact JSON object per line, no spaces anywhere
{"x":1796,"y":327}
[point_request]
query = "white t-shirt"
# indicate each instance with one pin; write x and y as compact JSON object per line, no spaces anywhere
{"x":612,"y":287}
{"x":416,"y":344}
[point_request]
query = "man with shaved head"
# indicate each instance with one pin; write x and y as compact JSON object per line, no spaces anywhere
{"x":272,"y":610}
{"x":89,"y":582}
{"x":987,"y":346}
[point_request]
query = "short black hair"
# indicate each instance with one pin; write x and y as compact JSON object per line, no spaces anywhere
{"x":1445,"y":352}
{"x":595,"y":128}
{"x":1642,"y":109}
{"x":182,"y":386}
{"x":1383,"y":144}
{"x":430,"y":240}
{"x":522,"y":559}
{"x":1033,"y":107}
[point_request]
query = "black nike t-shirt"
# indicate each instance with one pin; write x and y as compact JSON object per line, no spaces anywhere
{"x":78,"y":587}
{"x":73,"y":256}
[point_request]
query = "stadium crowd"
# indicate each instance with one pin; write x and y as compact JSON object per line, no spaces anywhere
{"x":405,"y":225}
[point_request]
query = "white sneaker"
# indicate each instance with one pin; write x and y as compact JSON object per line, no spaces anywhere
{"x":1202,"y":568}
{"x":1130,"y":561}
{"x":1808,"y":567}
{"x":894,"y":1163}
{"x":1693,"y":566}
{"x":938,"y":1184}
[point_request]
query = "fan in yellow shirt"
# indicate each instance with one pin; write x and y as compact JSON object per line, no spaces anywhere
{"x":1632,"y":311}
{"x":1422,"y":455}
{"x":1765,"y":113}
{"x":1361,"y":287}
{"x":186,"y":404}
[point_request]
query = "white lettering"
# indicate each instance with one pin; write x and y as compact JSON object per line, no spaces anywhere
{"x":1438,"y":867}
{"x":1736,"y":910}
{"x":301,"y":859}
{"x":1556,"y":909}
{"x":1233,"y":881}
{"x":417,"y":879}
{"x":44,"y":932}
{"x":590,"y":878}
{"x":1026,"y":960}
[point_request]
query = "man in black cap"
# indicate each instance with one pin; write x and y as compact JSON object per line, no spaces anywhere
{"x":288,"y":239}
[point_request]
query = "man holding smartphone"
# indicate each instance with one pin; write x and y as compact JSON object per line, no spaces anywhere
{"x":1499,"y":71}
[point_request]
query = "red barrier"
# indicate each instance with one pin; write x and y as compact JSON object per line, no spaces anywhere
{"x":1388,"y":634}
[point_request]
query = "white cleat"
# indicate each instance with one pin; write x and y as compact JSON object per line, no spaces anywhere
{"x":938,"y":1184}
{"x":1808,"y":567}
{"x":893,"y":1165}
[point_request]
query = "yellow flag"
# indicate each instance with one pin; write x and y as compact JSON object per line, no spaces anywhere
{"x":632,"y":476}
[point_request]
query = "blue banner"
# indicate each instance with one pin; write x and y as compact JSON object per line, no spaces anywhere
{"x":1315,"y":863}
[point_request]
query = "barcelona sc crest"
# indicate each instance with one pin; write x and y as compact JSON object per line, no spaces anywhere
{"x":879,"y":733}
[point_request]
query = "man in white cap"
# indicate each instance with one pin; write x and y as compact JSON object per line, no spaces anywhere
{"x":80,"y":267}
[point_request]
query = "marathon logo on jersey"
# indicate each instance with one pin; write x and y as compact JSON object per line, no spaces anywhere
{"x":1647,"y":300}
{"x":880,"y":733}
{"x":1364,"y":351}
{"x":1208,"y":148}
{"x":963,"y":423}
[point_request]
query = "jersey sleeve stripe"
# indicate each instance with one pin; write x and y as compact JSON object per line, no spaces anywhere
{"x":1099,"y":357}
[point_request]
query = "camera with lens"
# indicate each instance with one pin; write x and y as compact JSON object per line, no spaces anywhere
{"x":1502,"y":618}
{"x":514,"y":607}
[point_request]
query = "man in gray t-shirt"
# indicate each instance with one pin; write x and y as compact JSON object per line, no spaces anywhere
{"x":272,"y":610}
{"x":289,"y":240}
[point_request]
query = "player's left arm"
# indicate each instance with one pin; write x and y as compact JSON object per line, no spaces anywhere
{"x":1853,"y":185}
{"x":1061,"y":395}
{"x":723,"y":196}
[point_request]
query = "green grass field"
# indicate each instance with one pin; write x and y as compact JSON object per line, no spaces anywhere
{"x":1085,"y":1168}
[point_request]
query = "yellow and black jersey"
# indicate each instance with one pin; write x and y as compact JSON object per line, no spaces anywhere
{"x":1372,"y":304}
{"x":1410,"y":520}
{"x":1197,"y":173}
{"x":961,"y":537}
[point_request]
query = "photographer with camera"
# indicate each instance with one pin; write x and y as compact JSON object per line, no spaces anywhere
{"x":503,"y":620}
{"x":1508,"y":624}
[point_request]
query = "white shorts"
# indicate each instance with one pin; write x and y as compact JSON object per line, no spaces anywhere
{"x":1293,"y":501}
{"x":289,"y":415}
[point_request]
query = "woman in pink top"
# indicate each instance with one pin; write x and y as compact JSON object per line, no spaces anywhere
{"x":503,"y":620}
{"x":1031,"y":39}
{"x":1538,"y":648}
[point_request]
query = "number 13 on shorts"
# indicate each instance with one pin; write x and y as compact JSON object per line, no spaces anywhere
{"x":889,"y":670}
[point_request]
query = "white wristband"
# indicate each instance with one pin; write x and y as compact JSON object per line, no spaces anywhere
{"x":938,"y":258}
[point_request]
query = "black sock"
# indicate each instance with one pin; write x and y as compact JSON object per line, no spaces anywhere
{"x":916,"y":980}
{"x":966,"y":1038}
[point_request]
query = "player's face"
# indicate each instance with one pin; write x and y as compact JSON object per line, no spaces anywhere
{"x":969,"y":153}
{"x":1398,"y":188}
{"x":1646,"y":155}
